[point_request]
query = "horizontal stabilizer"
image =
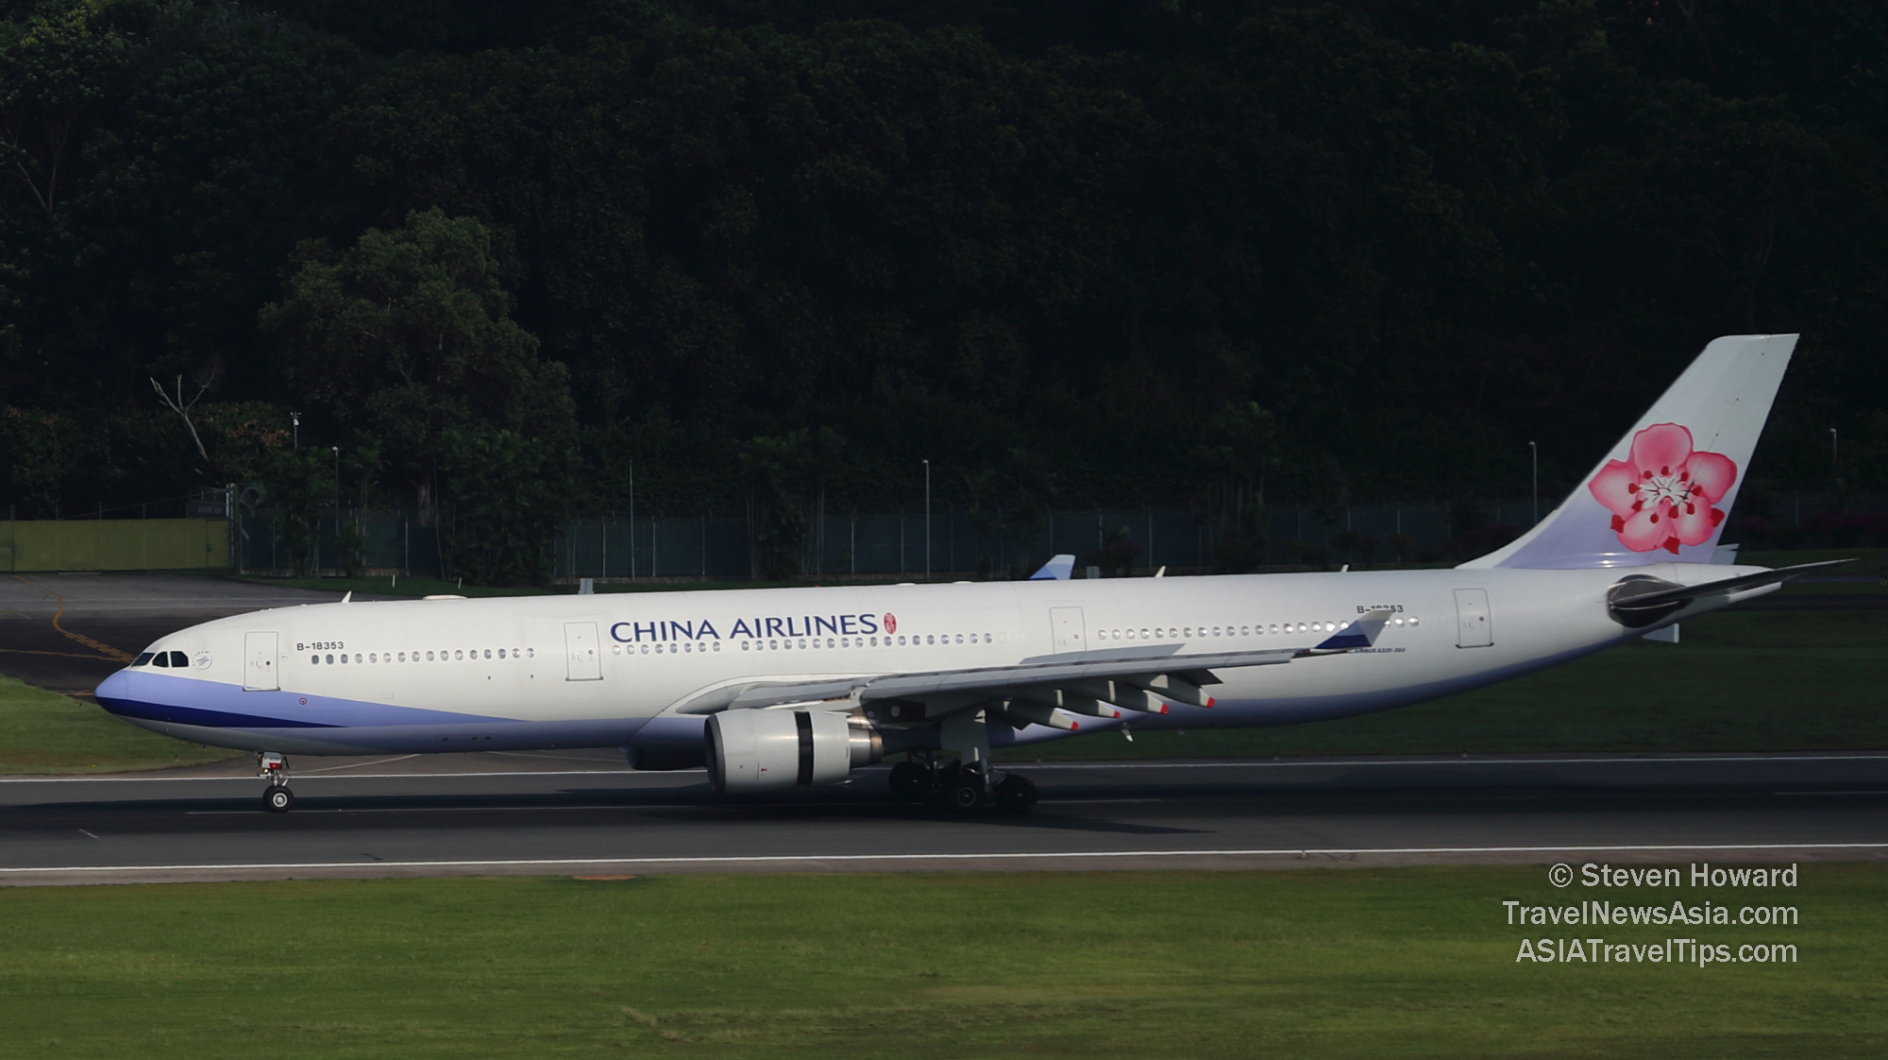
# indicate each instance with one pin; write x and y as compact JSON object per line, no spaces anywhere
{"x":1670,"y":599}
{"x":1057,"y":569}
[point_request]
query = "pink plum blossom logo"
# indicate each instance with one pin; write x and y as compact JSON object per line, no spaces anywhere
{"x":1665,"y":493}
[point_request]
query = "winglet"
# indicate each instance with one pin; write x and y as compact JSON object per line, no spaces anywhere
{"x":1362,"y":633}
{"x":1057,"y":569}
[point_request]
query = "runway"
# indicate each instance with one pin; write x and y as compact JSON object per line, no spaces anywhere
{"x":583,"y":815}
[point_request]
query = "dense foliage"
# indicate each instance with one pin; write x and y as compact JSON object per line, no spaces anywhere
{"x":1205,"y":252}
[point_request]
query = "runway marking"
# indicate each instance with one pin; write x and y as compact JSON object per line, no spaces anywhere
{"x":481,"y":809}
{"x":1090,"y":854}
{"x":1882,"y":792}
{"x":1877,"y":756}
{"x":1019,"y":766}
{"x":61,"y":654}
{"x":250,"y":778}
{"x":96,"y":645}
{"x":352,"y":765}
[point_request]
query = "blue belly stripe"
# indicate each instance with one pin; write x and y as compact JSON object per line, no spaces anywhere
{"x":215,"y":719}
{"x":213,"y":704}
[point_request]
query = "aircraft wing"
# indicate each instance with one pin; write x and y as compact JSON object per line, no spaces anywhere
{"x":1098,"y":683}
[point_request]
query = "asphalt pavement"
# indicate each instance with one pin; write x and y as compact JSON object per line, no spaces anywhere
{"x":587,"y":814}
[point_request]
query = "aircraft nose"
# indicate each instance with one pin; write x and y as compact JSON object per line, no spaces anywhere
{"x":113,"y":687}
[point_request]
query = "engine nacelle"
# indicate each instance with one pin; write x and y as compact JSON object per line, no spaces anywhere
{"x":766,"y":750}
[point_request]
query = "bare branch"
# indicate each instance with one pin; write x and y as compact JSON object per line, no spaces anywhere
{"x":182,"y":408}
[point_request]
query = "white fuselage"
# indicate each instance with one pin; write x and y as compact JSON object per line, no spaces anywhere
{"x":621,"y":669}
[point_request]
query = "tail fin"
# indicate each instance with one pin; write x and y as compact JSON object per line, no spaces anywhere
{"x":1662,"y":495}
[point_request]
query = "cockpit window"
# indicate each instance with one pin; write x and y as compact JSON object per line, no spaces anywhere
{"x":142,"y":660}
{"x":178,"y":658}
{"x":162,"y":658}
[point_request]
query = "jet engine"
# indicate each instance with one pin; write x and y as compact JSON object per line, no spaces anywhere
{"x":766,"y":750}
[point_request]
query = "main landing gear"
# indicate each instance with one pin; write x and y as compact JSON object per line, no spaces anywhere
{"x":962,"y":788}
{"x":277,"y":798}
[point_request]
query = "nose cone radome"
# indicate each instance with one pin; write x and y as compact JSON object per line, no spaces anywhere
{"x":113,"y":690}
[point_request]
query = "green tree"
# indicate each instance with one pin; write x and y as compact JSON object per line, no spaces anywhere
{"x":406,"y":340}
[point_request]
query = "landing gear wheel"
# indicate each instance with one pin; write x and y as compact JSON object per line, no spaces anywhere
{"x":965,"y":795}
{"x":278,"y":799}
{"x":1016,"y":794}
{"x":910,"y":781}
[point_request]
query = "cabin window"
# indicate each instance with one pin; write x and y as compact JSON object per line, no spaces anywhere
{"x":717,"y":645}
{"x":330,"y":660}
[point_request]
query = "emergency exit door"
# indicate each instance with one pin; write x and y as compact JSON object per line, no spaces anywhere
{"x":1474,"y":628}
{"x":581,"y":652}
{"x":1066,"y":628}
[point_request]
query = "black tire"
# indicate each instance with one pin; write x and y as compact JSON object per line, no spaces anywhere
{"x":1016,"y":794}
{"x":965,"y":795}
{"x":910,"y":781}
{"x":278,"y":800}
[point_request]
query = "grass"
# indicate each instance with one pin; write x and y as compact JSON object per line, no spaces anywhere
{"x":45,"y":732}
{"x":1737,"y":681}
{"x":1409,"y":962}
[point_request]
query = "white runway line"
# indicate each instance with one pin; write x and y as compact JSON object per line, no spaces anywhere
{"x":1017,"y":766}
{"x":1092,"y":854}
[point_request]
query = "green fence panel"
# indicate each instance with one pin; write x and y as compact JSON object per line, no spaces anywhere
{"x":115,"y":544}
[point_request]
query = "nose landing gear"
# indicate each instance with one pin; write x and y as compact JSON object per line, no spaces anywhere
{"x":276,"y":798}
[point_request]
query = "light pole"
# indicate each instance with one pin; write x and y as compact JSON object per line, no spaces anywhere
{"x":1534,"y":458}
{"x":295,"y":423}
{"x":1835,"y":463}
{"x":927,"y":520}
{"x":337,"y":504}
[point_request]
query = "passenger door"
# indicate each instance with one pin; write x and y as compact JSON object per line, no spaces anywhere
{"x":260,"y":674}
{"x":581,"y":652}
{"x":1474,"y":628}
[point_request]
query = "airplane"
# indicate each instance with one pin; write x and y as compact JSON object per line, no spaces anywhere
{"x":775,"y":689}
